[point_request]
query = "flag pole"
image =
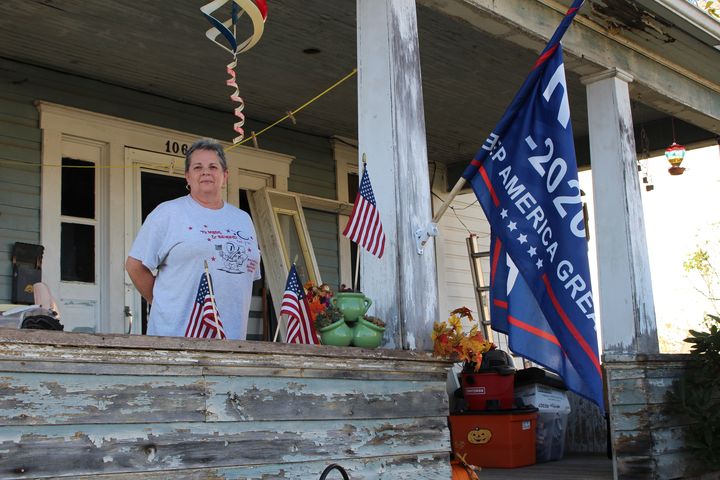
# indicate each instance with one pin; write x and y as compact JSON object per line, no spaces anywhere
{"x":277,"y":332}
{"x":451,"y":196}
{"x":355,"y":285}
{"x":423,"y":234}
{"x":277,"y":329}
{"x":212,"y":298}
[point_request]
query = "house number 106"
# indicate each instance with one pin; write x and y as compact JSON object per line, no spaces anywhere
{"x":175,"y":147}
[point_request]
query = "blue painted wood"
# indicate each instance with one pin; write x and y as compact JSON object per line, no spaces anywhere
{"x":140,"y":407}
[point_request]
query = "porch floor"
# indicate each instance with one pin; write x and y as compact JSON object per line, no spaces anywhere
{"x":571,"y":467}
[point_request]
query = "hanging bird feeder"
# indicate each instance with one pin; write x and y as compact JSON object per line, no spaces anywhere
{"x":675,"y":154}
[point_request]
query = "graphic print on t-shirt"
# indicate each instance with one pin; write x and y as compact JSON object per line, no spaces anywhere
{"x":233,"y":249}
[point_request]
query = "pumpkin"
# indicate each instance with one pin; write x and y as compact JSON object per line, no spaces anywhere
{"x":462,"y":471}
{"x":479,"y":436}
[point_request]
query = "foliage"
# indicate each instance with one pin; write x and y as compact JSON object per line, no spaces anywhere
{"x":697,"y":394}
{"x":712,"y":7}
{"x":327,"y":317}
{"x":374,"y":320}
{"x":450,"y":341}
{"x":318,"y":297}
{"x":700,"y":262}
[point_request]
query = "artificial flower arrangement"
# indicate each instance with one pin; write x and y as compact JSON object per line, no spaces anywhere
{"x":327,"y":317}
{"x":450,"y":341}
{"x":318,"y":297}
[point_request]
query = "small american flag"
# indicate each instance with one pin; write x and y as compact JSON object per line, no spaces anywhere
{"x":295,"y":306}
{"x":364,"y":227}
{"x":204,"y":320}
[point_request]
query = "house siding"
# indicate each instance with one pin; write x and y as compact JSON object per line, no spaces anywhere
{"x":19,"y":181}
{"x":323,"y":229}
{"x":20,"y":148}
{"x":465,"y":217}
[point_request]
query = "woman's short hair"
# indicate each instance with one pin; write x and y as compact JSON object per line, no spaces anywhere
{"x":206,"y":144}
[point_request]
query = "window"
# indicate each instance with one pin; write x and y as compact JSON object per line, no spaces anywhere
{"x":78,"y":221}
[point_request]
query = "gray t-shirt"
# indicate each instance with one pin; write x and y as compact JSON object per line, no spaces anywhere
{"x":175,"y":239}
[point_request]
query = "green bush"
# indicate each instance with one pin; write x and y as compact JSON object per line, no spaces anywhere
{"x":697,"y":394}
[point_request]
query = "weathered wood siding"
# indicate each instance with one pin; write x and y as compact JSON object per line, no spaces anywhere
{"x":144,"y":407}
{"x":20,"y":144}
{"x":587,"y":430}
{"x":648,"y":439}
{"x":19,"y":181}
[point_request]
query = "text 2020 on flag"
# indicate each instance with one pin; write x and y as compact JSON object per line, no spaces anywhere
{"x":364,"y":226}
{"x":300,"y":328}
{"x":525,"y":177}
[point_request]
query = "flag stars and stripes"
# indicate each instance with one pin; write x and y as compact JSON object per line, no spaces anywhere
{"x":512,"y":226}
{"x":532,"y":251}
{"x":204,"y":319}
{"x":364,"y":226}
{"x":522,"y":238}
{"x":295,"y":306}
{"x":503,"y":213}
{"x":539,"y":263}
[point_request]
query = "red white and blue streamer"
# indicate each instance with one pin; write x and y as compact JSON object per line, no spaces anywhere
{"x":256,"y":11}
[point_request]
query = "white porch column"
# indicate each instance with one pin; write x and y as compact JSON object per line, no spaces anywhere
{"x":625,"y":289}
{"x":391,"y":131}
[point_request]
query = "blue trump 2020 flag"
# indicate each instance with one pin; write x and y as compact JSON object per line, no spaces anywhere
{"x":525,"y":177}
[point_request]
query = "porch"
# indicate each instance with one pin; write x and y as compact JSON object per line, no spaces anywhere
{"x":122,"y":406}
{"x":571,"y":467}
{"x":474,"y":55}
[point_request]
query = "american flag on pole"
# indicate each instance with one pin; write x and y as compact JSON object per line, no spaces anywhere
{"x":295,"y":306}
{"x":204,"y":320}
{"x":364,"y":227}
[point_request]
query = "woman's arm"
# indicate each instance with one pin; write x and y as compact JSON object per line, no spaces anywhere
{"x":142,"y":278}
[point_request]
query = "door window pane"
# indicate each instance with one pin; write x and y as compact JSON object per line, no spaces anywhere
{"x":291,"y":240}
{"x":77,"y":253}
{"x":293,"y":236}
{"x":77,"y":188}
{"x":157,"y":188}
{"x":353,"y":186}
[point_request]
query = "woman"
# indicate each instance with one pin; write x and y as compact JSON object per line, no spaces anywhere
{"x":180,"y":235}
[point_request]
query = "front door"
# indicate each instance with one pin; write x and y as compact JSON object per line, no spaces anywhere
{"x":76,"y":246}
{"x":100,"y":177}
{"x":156,"y":178}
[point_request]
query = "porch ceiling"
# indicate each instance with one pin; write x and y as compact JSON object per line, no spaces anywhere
{"x":469,"y":74}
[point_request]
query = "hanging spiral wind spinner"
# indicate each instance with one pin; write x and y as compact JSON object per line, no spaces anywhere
{"x":256,"y":11}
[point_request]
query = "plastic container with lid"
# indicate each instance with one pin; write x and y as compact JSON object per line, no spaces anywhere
{"x":495,"y":439}
{"x":545,"y":391}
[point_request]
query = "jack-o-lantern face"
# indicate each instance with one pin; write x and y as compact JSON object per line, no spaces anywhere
{"x":479,"y":436}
